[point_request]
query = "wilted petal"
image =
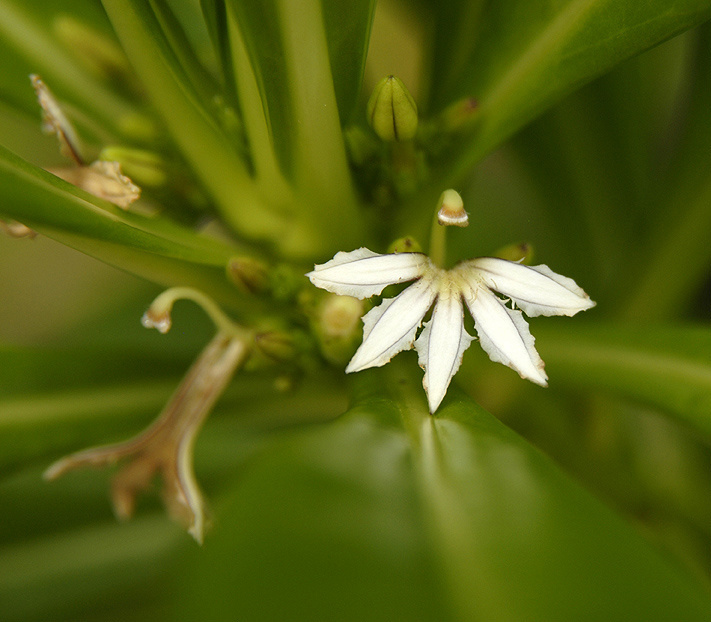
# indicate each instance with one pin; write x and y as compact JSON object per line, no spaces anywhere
{"x":536,"y":289}
{"x":390,"y":327}
{"x":441,"y":345}
{"x":363,"y":273}
{"x":504,"y":335}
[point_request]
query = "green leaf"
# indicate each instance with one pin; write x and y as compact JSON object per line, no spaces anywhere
{"x":390,"y":513}
{"x":152,"y":248}
{"x":348,"y":27}
{"x":288,"y":49}
{"x":195,"y":132}
{"x":665,"y":366}
{"x":27,"y":38}
{"x":527,"y":55}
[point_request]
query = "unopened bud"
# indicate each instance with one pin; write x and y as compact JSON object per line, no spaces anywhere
{"x":405,"y":245}
{"x":337,"y":327}
{"x":522,"y":252}
{"x":249,"y":274}
{"x":392,"y":111}
{"x":451,"y":210}
{"x":276,"y":345}
{"x":459,"y":115}
{"x":360,"y":144}
{"x":146,"y":168}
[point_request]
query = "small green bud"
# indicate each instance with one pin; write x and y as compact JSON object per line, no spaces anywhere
{"x":277,"y":346}
{"x":146,"y":168}
{"x":392,"y":111}
{"x":138,"y":127}
{"x":522,"y":252}
{"x":457,"y":116}
{"x":249,"y":274}
{"x":405,"y":245}
{"x":337,"y":327}
{"x":361,"y":145}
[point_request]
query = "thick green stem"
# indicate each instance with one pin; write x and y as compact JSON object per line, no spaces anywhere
{"x":214,"y":161}
{"x":329,"y":205}
{"x":269,"y":177}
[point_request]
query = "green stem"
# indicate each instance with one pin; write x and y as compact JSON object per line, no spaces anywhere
{"x":204,"y":147}
{"x":438,"y":244}
{"x":329,"y":205}
{"x":268,"y":174}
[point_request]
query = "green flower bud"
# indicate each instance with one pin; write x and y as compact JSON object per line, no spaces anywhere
{"x":392,"y":112}
{"x":276,"y":346}
{"x":361,"y":145}
{"x":458,"y":115}
{"x":337,"y":327}
{"x":521,"y":251}
{"x":146,"y":168}
{"x":249,"y":274}
{"x":405,"y":245}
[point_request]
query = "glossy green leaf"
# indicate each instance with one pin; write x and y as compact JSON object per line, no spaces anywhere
{"x":152,"y":248}
{"x":347,"y":32}
{"x":390,"y":513}
{"x":214,"y":160}
{"x":665,"y":366}
{"x":528,"y":55}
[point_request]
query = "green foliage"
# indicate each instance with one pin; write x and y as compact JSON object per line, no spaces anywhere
{"x":339,"y":497}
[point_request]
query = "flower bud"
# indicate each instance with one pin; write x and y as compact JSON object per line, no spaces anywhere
{"x":392,"y":112}
{"x":360,"y":144}
{"x":457,"y":116}
{"x":405,"y":245}
{"x":276,"y":345}
{"x":521,"y":252}
{"x":451,"y":210}
{"x":146,"y":168}
{"x":337,"y":327}
{"x":249,"y":274}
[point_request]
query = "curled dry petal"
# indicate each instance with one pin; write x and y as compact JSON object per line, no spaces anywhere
{"x":166,"y":447}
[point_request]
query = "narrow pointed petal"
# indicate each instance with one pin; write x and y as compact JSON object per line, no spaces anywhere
{"x":441,"y":345}
{"x":535,"y":289}
{"x":504,"y":335}
{"x":363,"y":273}
{"x":390,"y":327}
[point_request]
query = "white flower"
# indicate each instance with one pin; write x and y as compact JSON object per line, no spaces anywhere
{"x":392,"y":326}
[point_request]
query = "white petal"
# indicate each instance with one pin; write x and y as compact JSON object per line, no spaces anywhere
{"x":441,"y":345}
{"x":390,"y":327}
{"x":363,"y":273}
{"x":504,"y":335}
{"x":536,"y":289}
